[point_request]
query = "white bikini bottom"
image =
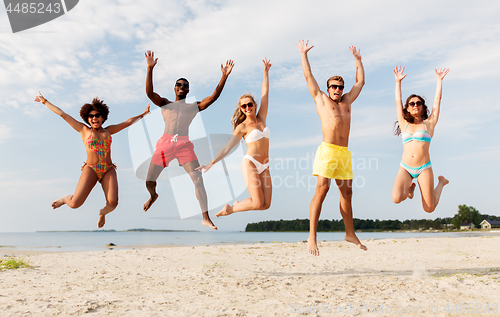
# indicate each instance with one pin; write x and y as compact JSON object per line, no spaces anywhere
{"x":260,"y":167}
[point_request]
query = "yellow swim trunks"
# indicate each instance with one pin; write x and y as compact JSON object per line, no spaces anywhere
{"x":333,"y":161}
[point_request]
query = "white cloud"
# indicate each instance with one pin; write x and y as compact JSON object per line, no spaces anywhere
{"x":5,"y":133}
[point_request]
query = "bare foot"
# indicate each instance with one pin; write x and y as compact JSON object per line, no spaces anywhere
{"x":443,"y":180}
{"x":227,"y":210}
{"x":58,"y":203}
{"x":355,"y":240}
{"x":411,"y":190}
{"x":102,"y":220}
{"x":208,"y":223}
{"x":312,"y":246}
{"x":150,"y":202}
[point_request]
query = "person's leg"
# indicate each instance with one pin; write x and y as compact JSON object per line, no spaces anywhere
{"x":403,"y":186}
{"x":259,"y":187}
{"x":430,"y":195}
{"x":87,"y":181}
{"x":201,"y":193}
{"x":322,"y":187}
{"x":153,"y":174}
{"x":345,"y":189}
{"x":109,"y":185}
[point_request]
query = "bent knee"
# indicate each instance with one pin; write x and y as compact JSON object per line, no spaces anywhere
{"x":429,"y":209}
{"x":257,"y":204}
{"x":397,"y":199}
{"x":113,"y":203}
{"x":265,"y":206}
{"x":74,"y":205}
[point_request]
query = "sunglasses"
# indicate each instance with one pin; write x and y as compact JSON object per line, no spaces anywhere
{"x":184,"y":85}
{"x":97,"y":116}
{"x":412,"y":104}
{"x":341,"y":87}
{"x":249,"y":105}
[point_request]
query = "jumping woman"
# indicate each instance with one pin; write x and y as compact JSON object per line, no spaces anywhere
{"x":97,"y":141}
{"x":416,"y":127}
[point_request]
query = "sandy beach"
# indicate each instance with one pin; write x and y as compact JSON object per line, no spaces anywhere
{"x":405,"y":277}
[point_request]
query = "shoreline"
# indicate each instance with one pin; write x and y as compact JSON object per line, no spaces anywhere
{"x":261,"y":279}
{"x":281,"y":237}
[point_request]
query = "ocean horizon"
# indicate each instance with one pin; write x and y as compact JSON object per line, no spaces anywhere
{"x":72,"y":241}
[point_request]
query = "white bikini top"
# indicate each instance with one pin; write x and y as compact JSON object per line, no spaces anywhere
{"x":256,"y":135}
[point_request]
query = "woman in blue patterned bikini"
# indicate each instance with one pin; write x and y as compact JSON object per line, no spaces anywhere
{"x":416,"y":127}
{"x":98,"y":167}
{"x":251,"y":125}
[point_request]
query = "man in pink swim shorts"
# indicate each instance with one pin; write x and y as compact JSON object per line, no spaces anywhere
{"x":175,"y":144}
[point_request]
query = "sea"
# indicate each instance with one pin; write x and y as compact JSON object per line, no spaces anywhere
{"x":104,"y":240}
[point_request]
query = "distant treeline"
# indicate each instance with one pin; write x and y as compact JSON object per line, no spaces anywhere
{"x":359,"y":224}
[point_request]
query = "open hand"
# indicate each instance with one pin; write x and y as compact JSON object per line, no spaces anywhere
{"x":204,"y":168}
{"x":303,"y":48}
{"x":441,"y":73}
{"x":150,"y":58}
{"x":146,"y":111}
{"x":398,"y":73}
{"x":356,"y":54}
{"x":226,"y":70}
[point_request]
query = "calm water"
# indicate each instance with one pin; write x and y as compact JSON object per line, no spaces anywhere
{"x":90,"y":241}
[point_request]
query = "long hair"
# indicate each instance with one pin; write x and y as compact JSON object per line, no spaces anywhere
{"x":239,"y":116}
{"x":97,"y":105}
{"x":408,"y":117}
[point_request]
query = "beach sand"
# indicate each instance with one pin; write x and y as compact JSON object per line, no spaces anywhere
{"x":404,"y":277}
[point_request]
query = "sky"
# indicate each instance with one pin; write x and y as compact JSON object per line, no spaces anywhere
{"x":97,"y":49}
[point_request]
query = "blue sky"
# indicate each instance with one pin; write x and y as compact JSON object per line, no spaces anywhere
{"x":97,"y":49}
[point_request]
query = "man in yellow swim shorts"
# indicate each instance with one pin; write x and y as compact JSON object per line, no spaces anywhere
{"x":333,"y":159}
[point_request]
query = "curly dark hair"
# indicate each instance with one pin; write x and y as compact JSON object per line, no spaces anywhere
{"x":407,"y":116}
{"x":97,"y":105}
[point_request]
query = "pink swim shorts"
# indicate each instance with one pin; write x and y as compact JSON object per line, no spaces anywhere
{"x":169,"y":147}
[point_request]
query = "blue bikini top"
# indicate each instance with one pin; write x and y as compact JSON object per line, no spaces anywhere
{"x":420,"y":135}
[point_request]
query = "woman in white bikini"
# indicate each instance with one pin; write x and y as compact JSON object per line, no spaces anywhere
{"x":251,"y":125}
{"x":416,"y":127}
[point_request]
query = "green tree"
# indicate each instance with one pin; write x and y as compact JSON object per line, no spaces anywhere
{"x":466,"y":214}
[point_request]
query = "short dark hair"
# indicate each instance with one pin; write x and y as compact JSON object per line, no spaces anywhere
{"x":183,"y":79}
{"x":97,"y":105}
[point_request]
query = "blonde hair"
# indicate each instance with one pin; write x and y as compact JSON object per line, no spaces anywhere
{"x":239,"y":116}
{"x":337,"y":78}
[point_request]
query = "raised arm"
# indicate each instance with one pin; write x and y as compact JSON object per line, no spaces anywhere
{"x":78,"y":126}
{"x":226,"y":70}
{"x":433,"y":118}
{"x":264,"y":100}
{"x":398,"y":75}
{"x":112,"y":129}
{"x":154,"y":97}
{"x":312,"y":84}
{"x":360,"y":76}
{"x":237,"y":135}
